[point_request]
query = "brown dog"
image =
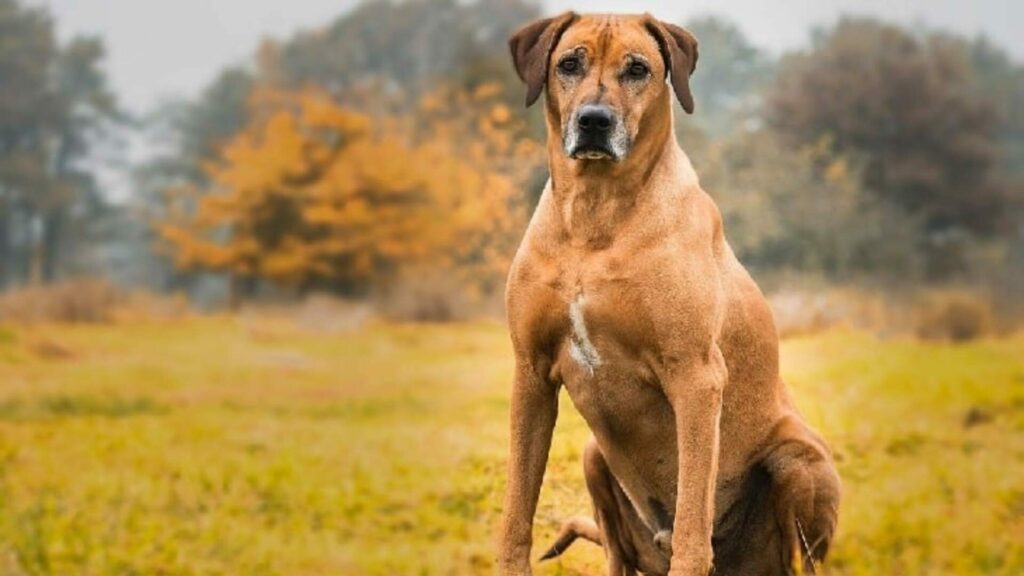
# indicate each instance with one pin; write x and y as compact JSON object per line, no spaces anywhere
{"x":625,"y":291}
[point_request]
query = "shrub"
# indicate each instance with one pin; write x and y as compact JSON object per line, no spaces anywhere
{"x":87,"y":301}
{"x":426,"y":296}
{"x":74,"y":301}
{"x":954,"y":316}
{"x":326,"y":313}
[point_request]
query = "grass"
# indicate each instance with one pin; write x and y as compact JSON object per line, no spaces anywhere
{"x":221,"y":446}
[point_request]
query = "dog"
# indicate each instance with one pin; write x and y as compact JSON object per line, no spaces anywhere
{"x":625,"y":292}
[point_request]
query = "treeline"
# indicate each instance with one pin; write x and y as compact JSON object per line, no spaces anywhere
{"x":57,"y":115}
{"x":878,"y":154}
{"x":388,"y":149}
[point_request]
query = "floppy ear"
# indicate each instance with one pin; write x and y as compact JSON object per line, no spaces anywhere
{"x":531,"y":49}
{"x":679,"y":50}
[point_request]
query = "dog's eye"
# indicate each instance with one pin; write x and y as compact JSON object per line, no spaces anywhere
{"x":637,"y":70}
{"x":569,"y":65}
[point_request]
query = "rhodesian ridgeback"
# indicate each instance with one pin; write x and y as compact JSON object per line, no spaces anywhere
{"x":625,"y":291}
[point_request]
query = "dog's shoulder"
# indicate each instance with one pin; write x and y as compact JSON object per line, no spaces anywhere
{"x":538,"y":242}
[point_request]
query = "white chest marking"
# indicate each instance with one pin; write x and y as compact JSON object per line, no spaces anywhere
{"x":581,"y":348}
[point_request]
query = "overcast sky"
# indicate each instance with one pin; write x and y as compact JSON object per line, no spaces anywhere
{"x":161,"y":48}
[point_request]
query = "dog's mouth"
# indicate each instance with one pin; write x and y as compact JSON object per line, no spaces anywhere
{"x":592,"y":153}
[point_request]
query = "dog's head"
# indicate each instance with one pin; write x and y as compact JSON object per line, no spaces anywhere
{"x":603,"y":75}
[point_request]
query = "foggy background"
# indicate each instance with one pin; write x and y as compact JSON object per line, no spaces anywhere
{"x":130,"y":160}
{"x":253,"y":256}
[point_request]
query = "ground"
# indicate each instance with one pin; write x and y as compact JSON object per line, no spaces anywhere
{"x":250,"y":446}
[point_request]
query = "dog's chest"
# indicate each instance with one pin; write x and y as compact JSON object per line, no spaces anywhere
{"x":598,"y":306}
{"x":590,"y":313}
{"x":606,"y":331}
{"x":605,"y":365}
{"x":581,"y":348}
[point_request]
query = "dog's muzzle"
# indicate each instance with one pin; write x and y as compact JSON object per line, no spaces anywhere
{"x":595,"y":133}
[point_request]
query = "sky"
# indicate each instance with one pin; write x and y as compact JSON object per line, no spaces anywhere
{"x":162,"y":48}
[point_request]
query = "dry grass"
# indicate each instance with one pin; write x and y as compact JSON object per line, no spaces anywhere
{"x":947,"y":315}
{"x":801,"y":312}
{"x":202,"y":446}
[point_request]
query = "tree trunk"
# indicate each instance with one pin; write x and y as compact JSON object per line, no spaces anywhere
{"x":34,"y":251}
{"x":53,"y":227}
{"x":5,"y":249}
{"x":240,"y":288}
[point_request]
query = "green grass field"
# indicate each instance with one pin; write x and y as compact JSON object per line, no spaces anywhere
{"x":227,"y":446}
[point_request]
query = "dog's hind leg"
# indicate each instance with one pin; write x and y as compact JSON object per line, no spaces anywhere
{"x":628,"y":543}
{"x":613,"y":524}
{"x":573,"y":528}
{"x":786,"y":517}
{"x":806,"y":501}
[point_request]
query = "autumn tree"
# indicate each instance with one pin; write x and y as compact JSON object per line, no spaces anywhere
{"x":314,"y":194}
{"x":378,"y":58}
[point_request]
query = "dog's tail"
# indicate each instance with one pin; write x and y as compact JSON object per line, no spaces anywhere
{"x":573,"y":528}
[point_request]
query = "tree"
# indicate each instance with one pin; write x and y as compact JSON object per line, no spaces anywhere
{"x":905,"y":105}
{"x":87,"y":110}
{"x":1001,"y":81}
{"x":730,"y":76}
{"x":412,"y":44}
{"x":804,"y":210}
{"x":53,"y":102}
{"x":312,"y":194}
{"x":26,"y":111}
{"x":376,"y":59}
{"x":396,"y":50}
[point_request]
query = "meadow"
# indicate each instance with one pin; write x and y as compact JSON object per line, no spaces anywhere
{"x":251,"y":445}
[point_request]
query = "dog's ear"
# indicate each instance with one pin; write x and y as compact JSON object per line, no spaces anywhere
{"x":531,"y":49}
{"x":679,"y":50}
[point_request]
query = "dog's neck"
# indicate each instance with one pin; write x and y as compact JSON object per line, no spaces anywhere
{"x":594,"y":198}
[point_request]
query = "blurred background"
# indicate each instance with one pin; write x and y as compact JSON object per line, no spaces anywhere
{"x":252,"y":258}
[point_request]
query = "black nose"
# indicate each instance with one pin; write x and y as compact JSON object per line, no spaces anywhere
{"x":594,"y":119}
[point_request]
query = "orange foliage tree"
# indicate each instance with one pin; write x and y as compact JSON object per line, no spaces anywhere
{"x":314,"y":194}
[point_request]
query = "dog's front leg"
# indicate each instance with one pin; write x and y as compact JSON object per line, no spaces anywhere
{"x":696,"y":396}
{"x":534,"y":410}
